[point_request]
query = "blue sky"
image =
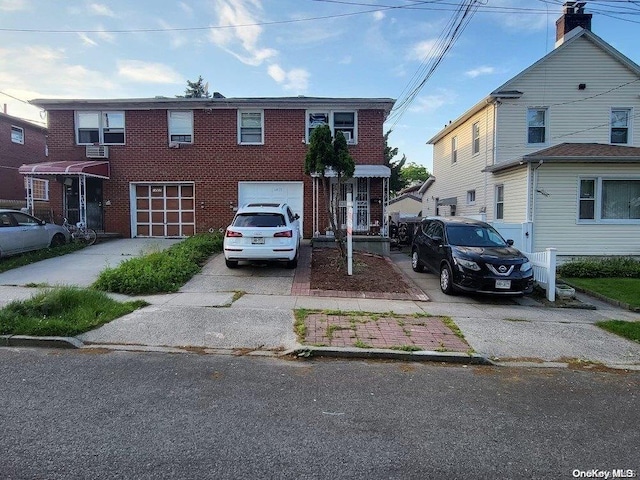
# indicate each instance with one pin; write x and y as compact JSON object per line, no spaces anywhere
{"x":344,"y":48}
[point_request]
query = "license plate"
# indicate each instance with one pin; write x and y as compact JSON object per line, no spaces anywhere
{"x":257,"y":240}
{"x":503,"y":284}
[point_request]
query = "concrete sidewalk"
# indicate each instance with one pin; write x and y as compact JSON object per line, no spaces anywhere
{"x":252,"y":309}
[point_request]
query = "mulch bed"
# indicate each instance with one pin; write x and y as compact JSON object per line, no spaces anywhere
{"x":371,"y":273}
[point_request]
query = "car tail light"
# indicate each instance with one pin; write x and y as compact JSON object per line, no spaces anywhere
{"x":287,"y":233}
{"x":231,"y":233}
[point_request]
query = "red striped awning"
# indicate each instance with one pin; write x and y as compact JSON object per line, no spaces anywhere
{"x":90,"y":168}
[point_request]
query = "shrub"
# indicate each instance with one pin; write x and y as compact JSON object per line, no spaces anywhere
{"x":598,"y":268}
{"x":160,"y":272}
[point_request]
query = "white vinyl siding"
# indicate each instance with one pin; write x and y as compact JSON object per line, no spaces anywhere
{"x":574,"y":115}
{"x":515,"y":194}
{"x":454,"y":180}
{"x":556,"y":215}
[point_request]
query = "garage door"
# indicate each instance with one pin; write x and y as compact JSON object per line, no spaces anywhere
{"x":273,"y":192}
{"x":163,"y":210}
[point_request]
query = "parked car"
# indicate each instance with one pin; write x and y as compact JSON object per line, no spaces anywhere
{"x":263,"y":232}
{"x":470,"y":255}
{"x":21,"y":232}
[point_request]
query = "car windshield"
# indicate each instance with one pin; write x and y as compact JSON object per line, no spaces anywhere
{"x":474,"y":236}
{"x":260,"y":220}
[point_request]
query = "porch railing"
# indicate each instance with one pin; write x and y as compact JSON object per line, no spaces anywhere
{"x":544,"y":270}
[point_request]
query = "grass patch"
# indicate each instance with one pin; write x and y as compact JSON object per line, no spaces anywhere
{"x":604,"y":267}
{"x":63,"y":312}
{"x":407,"y":348}
{"x":454,"y":328}
{"x":622,"y":289}
{"x":28,"y":258}
{"x":333,"y":328}
{"x":630,"y":330}
{"x":299,"y":325}
{"x":237,"y":295}
{"x":160,"y":272}
{"x":360,"y":344}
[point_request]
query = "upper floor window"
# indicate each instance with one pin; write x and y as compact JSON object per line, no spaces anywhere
{"x":536,"y":125}
{"x":499,"y":202}
{"x":454,"y":149}
{"x":17,"y":135}
{"x":343,"y":121}
{"x":251,"y":127}
{"x":471,"y":197}
{"x":620,"y":123}
{"x":100,"y":127}
{"x":181,"y":126}
{"x":475,"y":138}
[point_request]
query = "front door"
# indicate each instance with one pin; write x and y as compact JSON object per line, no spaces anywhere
{"x":95,"y":217}
{"x":359,"y":189}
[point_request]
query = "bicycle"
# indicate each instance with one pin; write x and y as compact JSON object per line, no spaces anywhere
{"x":81,"y":232}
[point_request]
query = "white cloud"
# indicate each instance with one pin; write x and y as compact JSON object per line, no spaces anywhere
{"x":177,"y":38}
{"x":378,"y":16}
{"x":147,"y":72}
{"x":295,"y":80}
{"x":186,"y":8}
{"x":104,"y":35}
{"x":242,"y":41}
{"x":100,"y":10}
{"x":431,"y":103}
{"x":483,"y":70}
{"x":13,"y":5}
{"x":86,"y":40}
{"x":423,"y":50}
{"x":346,"y":60}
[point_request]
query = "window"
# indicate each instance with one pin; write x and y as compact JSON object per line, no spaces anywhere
{"x":620,"y":120}
{"x":499,"y":202}
{"x":343,"y":121}
{"x":587,"y":200}
{"x":17,"y":135}
{"x":454,"y":149}
{"x":40,"y":188}
{"x":250,"y":128}
{"x":100,"y":127}
{"x":609,"y":200}
{"x":471,"y":197}
{"x":475,"y":136}
{"x":537,"y":125}
{"x":181,"y":126}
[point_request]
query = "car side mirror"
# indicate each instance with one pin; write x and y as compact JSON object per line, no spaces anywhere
{"x":510,"y":242}
{"x":437,"y":239}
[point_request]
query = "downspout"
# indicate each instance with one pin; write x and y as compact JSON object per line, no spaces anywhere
{"x":534,"y":187}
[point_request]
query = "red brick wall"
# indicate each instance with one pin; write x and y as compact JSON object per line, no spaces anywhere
{"x":215,"y":162}
{"x":13,"y":155}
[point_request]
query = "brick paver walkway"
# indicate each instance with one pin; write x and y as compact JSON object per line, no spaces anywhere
{"x":364,"y":330}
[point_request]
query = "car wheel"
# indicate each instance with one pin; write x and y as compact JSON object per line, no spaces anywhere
{"x":57,"y":240}
{"x":415,"y":261}
{"x":293,"y":263}
{"x":446,"y":280}
{"x":231,"y":263}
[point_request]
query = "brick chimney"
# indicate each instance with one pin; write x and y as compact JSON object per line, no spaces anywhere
{"x":573,"y":16}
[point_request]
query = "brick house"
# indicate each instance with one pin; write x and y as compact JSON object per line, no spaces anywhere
{"x":172,"y":167}
{"x":20,"y":142}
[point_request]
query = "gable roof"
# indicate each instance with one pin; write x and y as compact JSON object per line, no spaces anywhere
{"x":573,"y":153}
{"x":506,"y":89}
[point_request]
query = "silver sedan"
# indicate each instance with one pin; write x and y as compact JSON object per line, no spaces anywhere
{"x":20,"y":232}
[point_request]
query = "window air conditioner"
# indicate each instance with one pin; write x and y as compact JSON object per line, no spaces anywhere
{"x":97,"y":151}
{"x":347,"y":136}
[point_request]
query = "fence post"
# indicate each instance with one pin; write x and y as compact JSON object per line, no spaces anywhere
{"x":551,"y":273}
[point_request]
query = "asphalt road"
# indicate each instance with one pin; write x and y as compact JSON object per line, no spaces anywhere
{"x":119,"y":415}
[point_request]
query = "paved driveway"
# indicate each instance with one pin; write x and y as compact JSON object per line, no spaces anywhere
{"x":82,"y":268}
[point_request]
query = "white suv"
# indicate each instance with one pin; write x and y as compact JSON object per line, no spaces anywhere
{"x":263,"y":231}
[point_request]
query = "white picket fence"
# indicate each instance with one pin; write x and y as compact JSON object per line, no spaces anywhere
{"x":544,"y":270}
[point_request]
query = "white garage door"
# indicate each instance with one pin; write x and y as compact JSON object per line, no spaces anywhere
{"x":291,"y":193}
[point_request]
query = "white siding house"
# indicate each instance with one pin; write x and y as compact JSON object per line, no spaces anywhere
{"x":553,"y":153}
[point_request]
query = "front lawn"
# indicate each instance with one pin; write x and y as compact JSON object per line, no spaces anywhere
{"x":622,"y":289}
{"x":62,"y":312}
{"x":630,"y":330}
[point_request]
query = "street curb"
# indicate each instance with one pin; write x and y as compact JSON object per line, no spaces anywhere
{"x":46,"y":342}
{"x":387,"y":354}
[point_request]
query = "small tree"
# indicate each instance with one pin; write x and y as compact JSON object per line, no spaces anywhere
{"x":414,"y":173}
{"x":396,"y":182}
{"x":197,"y":89}
{"x":327,"y":152}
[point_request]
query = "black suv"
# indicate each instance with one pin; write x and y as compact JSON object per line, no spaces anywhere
{"x":470,"y":255}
